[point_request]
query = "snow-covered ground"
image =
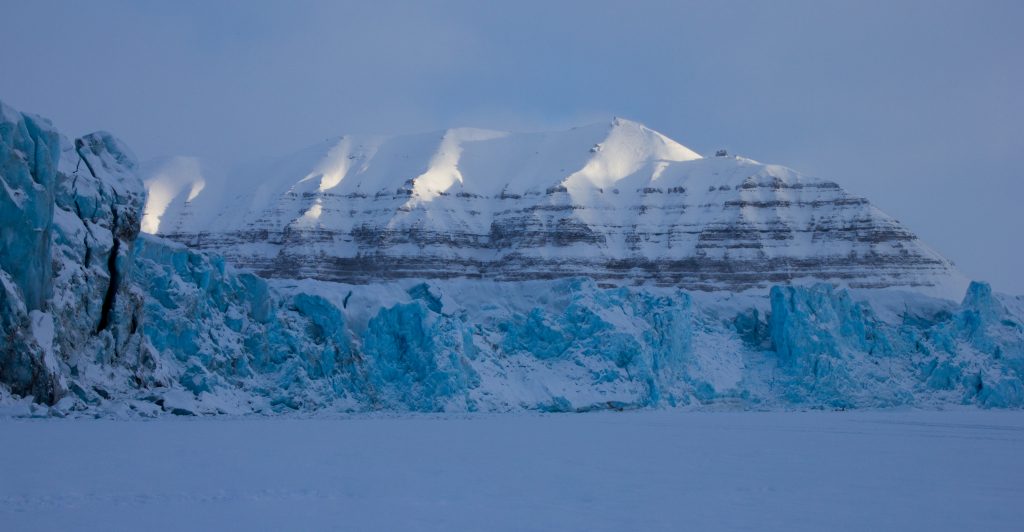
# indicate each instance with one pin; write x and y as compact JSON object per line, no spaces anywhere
{"x":647,"y":470}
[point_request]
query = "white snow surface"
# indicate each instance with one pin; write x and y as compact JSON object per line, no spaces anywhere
{"x":473,"y":161}
{"x":591,"y":200}
{"x":652,"y":470}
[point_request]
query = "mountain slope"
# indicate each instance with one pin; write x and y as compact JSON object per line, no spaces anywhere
{"x":620,"y":203}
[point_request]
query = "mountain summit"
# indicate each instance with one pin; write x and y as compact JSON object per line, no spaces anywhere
{"x":618,"y":202}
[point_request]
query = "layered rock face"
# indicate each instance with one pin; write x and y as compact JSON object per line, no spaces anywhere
{"x":619,"y":203}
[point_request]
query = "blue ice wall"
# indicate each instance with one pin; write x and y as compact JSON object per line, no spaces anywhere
{"x":137,"y":317}
{"x":584,"y":327}
{"x":827,"y":345}
{"x":837,"y":352}
{"x":29,"y":150}
{"x":417,"y":358}
{"x":978,"y":351}
{"x":213,"y":328}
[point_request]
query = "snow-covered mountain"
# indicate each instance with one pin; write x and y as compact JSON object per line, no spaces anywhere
{"x":616,"y":202}
{"x":98,"y":319}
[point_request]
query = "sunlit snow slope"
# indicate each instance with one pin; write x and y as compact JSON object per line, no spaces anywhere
{"x":617,"y":202}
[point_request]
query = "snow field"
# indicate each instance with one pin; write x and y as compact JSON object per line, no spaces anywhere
{"x":650,"y":470}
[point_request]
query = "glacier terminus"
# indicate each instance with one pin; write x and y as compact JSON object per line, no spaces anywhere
{"x":606,"y":267}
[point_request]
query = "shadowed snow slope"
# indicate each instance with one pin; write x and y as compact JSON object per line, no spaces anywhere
{"x":616,"y":202}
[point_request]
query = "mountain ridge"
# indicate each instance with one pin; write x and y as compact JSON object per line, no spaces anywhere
{"x":618,"y":202}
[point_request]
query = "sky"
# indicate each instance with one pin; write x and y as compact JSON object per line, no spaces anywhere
{"x":915,"y":105}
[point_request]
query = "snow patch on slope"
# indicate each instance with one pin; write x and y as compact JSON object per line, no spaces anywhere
{"x":629,"y":146}
{"x":617,"y":202}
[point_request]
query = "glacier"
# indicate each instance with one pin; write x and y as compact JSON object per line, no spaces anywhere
{"x":99,"y":319}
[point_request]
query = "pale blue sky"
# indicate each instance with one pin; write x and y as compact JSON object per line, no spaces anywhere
{"x":915,"y":105}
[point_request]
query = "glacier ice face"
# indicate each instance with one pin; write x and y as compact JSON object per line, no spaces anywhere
{"x":838,"y":352}
{"x":833,"y":347}
{"x":633,"y":345}
{"x":97,"y":204}
{"x":135,"y":317}
{"x":416,"y":358}
{"x":207,"y":328}
{"x":979,"y":350}
{"x":572,"y":345}
{"x":96,"y":319}
{"x":30,"y":148}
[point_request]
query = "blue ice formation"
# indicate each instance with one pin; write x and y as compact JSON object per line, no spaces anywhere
{"x":205,"y":327}
{"x":29,"y":149}
{"x":583,"y":326}
{"x":837,"y":352}
{"x":96,"y":319}
{"x":418,"y":359}
{"x":978,"y":351}
{"x":136,"y":317}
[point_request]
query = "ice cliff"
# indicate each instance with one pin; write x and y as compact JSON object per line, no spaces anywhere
{"x":93,"y":313}
{"x":96,"y":319}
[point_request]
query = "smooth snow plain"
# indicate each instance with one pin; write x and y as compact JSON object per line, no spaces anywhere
{"x":646,"y":470}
